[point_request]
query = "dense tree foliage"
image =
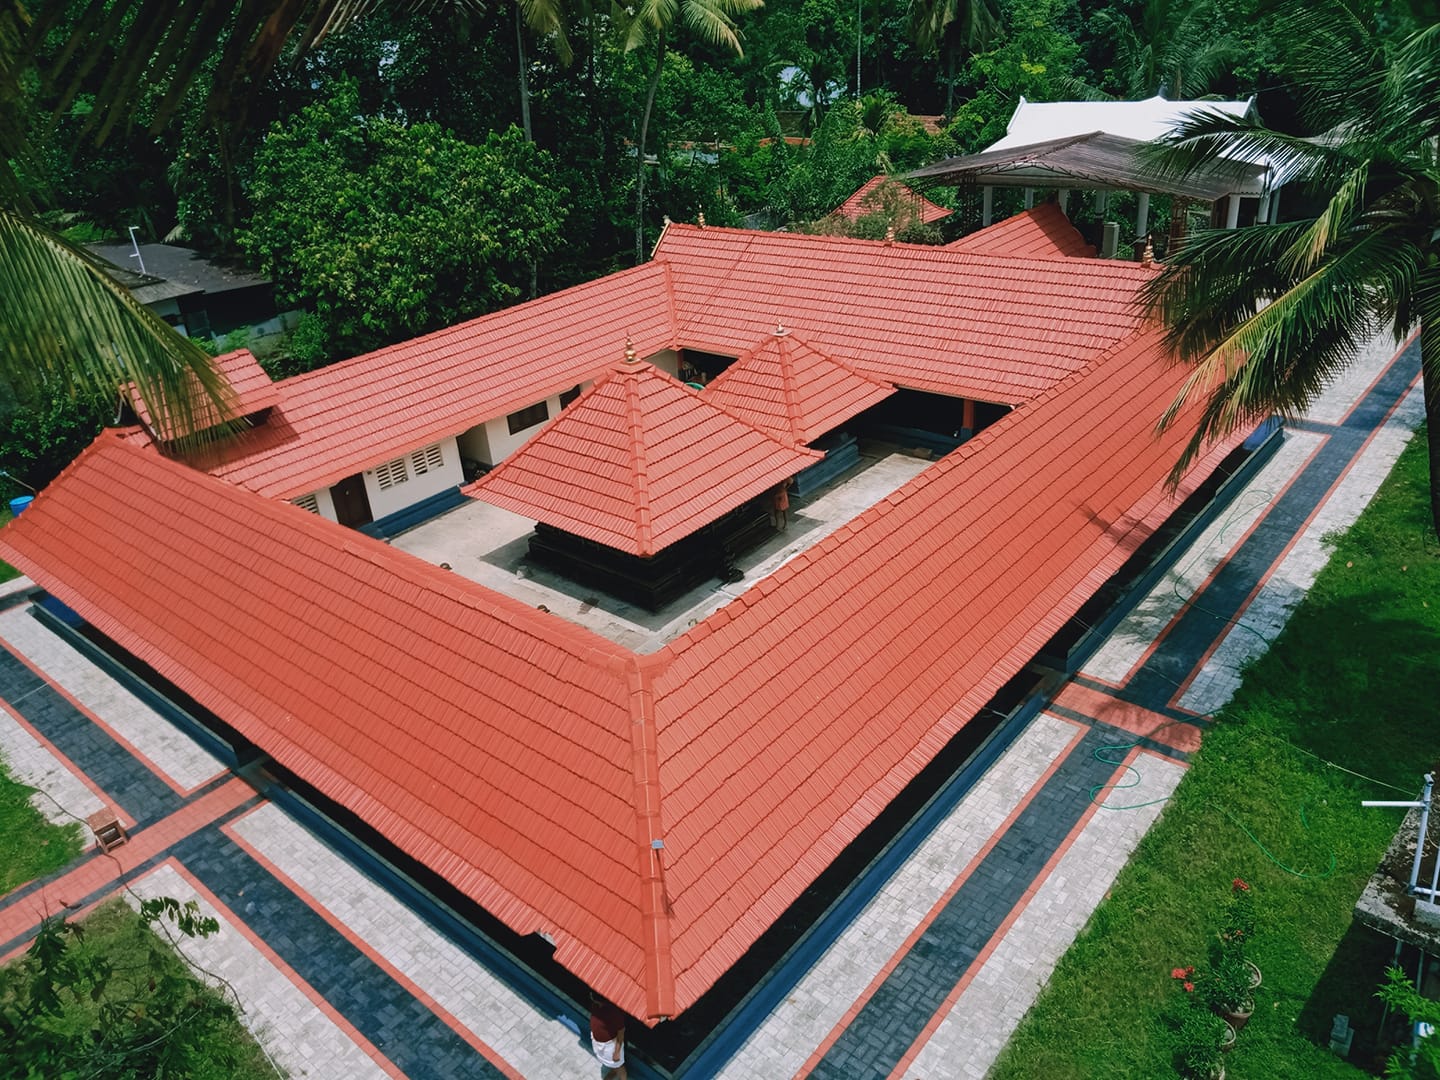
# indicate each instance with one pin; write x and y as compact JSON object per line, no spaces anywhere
{"x":387,"y":229}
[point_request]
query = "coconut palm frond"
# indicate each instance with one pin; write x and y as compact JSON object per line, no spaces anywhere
{"x":67,"y":323}
{"x":1336,"y":219}
{"x":1207,"y":139}
{"x":1278,"y":360}
{"x":547,"y":18}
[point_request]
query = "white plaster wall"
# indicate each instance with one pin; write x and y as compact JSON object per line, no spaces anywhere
{"x":475,"y":444}
{"x":416,"y":488}
{"x":325,"y":503}
{"x":500,"y":444}
{"x":667,"y":360}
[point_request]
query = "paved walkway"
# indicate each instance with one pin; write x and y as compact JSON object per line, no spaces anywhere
{"x":340,"y":976}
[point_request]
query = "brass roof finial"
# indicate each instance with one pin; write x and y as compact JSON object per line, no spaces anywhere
{"x":700,"y":219}
{"x":1147,"y":257}
{"x":889,"y":234}
{"x":630,"y":356}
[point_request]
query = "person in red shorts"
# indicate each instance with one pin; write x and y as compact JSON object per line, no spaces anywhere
{"x":607,"y":1037}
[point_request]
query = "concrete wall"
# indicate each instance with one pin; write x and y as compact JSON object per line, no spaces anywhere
{"x":667,"y":360}
{"x":325,"y":503}
{"x":399,"y":496}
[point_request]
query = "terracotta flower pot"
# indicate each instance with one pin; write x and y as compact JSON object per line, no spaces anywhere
{"x":1238,"y":1019}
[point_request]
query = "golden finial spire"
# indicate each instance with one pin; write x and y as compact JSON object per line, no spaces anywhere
{"x":700,"y":219}
{"x":1147,"y":258}
{"x":630,"y":356}
{"x":889,"y":234}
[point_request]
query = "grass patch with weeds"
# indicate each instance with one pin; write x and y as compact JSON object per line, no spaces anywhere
{"x":125,"y":1007}
{"x":30,"y":846}
{"x":1353,"y":680}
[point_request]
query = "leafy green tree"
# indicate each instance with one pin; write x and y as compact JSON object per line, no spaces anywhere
{"x":69,"y":1010}
{"x":1031,"y":55}
{"x":1423,"y":1061}
{"x":388,"y":230}
{"x":954,"y":28}
{"x":41,"y":434}
{"x":1180,"y":47}
{"x":712,"y":21}
{"x":1268,"y":315}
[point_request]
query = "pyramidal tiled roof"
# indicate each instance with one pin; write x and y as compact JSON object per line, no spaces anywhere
{"x":969,"y":323}
{"x":533,"y":764}
{"x":638,"y":462}
{"x":793,"y":391}
{"x":1040,"y":232}
{"x":868,"y":200}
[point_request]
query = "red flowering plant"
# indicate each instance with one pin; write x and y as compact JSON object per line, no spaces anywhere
{"x":1185,"y":976}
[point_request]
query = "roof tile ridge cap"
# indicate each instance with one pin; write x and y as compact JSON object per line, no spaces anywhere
{"x":720,"y":406}
{"x":787,"y":389}
{"x":674,"y":342}
{"x":639,"y":465}
{"x":658,"y":980}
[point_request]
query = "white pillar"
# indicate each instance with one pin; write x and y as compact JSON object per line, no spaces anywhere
{"x":1102,"y":200}
{"x":987,"y":205}
{"x":1064,"y":201}
{"x":1232,"y":212}
{"x":1029,"y":197}
{"x":1142,"y":213}
{"x":1262,"y":212}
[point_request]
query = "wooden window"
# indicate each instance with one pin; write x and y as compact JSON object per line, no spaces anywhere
{"x":527,"y":418}
{"x":426,"y":460}
{"x":567,"y":396}
{"x":391,"y":473}
{"x":308,"y":502}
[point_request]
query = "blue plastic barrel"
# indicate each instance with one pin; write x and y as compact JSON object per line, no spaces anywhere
{"x":18,"y":506}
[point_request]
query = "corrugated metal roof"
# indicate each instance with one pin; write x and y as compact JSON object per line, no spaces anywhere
{"x":1094,"y":159}
{"x":639,"y":461}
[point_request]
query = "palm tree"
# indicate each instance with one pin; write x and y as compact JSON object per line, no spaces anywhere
{"x":712,"y":20}
{"x":1173,"y":48}
{"x":64,"y":322}
{"x":1268,"y":315}
{"x":952,"y":27}
{"x":546,"y":18}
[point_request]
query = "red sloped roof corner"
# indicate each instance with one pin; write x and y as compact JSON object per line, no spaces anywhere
{"x":882,"y":641}
{"x":794,"y":391}
{"x":659,"y":978}
{"x":1038,"y":233}
{"x":639,"y":461}
{"x":994,"y":328}
{"x":866,"y":200}
{"x":355,"y":414}
{"x":250,"y":391}
{"x":491,"y":742}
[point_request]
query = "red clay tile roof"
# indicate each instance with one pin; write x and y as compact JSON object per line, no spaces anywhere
{"x":793,"y":715}
{"x":532,"y":763}
{"x":350,"y":416}
{"x":869,"y":199}
{"x":486,"y":739}
{"x":638,"y":462}
{"x":1041,"y":232}
{"x":242,"y":373}
{"x":969,"y":324}
{"x":796,"y":393}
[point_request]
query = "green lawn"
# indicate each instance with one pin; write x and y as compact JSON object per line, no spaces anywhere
{"x":29,"y":845}
{"x":7,"y":572}
{"x":200,"y":1037}
{"x":1353,"y":681}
